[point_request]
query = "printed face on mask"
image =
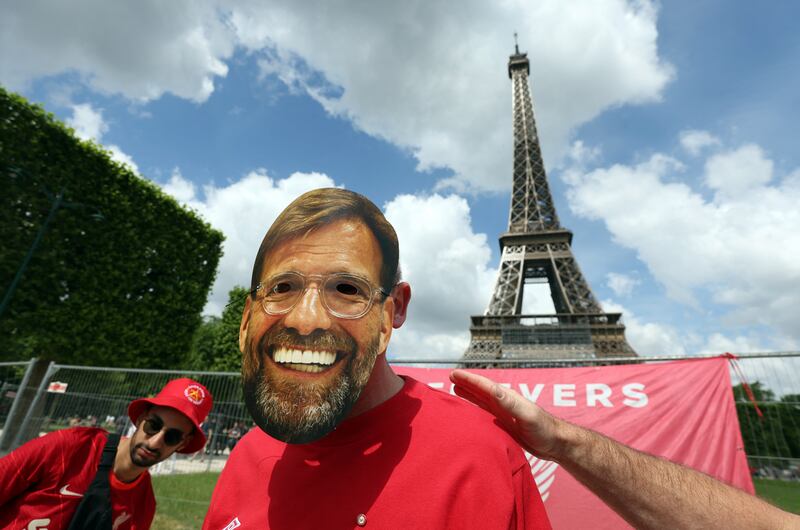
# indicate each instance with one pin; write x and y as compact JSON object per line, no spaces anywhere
{"x":311,"y":335}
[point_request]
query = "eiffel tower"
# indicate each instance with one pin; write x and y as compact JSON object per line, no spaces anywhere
{"x":537,"y":249}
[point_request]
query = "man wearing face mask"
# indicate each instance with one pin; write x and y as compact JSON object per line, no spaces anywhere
{"x":86,"y":478}
{"x":344,"y":442}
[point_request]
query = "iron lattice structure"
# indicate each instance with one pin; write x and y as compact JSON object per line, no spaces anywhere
{"x":537,"y":248}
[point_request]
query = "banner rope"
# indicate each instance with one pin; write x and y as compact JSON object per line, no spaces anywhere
{"x":733,"y":360}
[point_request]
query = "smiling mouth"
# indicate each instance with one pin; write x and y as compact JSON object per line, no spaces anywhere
{"x":304,"y":360}
{"x":147,"y":453}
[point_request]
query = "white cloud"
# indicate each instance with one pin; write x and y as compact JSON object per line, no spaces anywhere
{"x":695,"y":141}
{"x":434,"y":79}
{"x":719,"y":343}
{"x":420,"y":74}
{"x":243,"y":211}
{"x":89,"y":125}
{"x":651,"y":338}
{"x":182,"y":189}
{"x":537,"y":299}
{"x":87,"y":122}
{"x":408,"y":343}
{"x":140,"y":50}
{"x":122,"y":157}
{"x":447,"y":265}
{"x":580,"y":155}
{"x":739,"y":251}
{"x":734,"y":173}
{"x":775,"y":373}
{"x":621,"y":284}
{"x":658,"y":339}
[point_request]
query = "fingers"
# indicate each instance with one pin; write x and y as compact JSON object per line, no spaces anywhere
{"x":475,"y":382}
{"x":515,"y":405}
{"x":490,"y":393}
{"x":475,"y":388}
{"x":532,"y":427}
{"x":467,"y":394}
{"x":483,"y":392}
{"x":502,"y":417}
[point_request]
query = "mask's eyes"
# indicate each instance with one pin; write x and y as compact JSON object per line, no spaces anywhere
{"x":347,"y":288}
{"x":283,"y":286}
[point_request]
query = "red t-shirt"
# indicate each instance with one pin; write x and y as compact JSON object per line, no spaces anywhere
{"x":422,"y":459}
{"x":43,"y":481}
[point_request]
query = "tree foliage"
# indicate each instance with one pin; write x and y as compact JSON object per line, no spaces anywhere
{"x":760,"y":392}
{"x":122,"y":271}
{"x":216,"y":342}
{"x":777,"y":432}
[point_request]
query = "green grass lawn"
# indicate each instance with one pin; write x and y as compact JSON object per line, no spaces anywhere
{"x":183,"y":499}
{"x":780,"y":493}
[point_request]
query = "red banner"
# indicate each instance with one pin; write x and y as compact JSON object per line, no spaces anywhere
{"x":683,"y":411}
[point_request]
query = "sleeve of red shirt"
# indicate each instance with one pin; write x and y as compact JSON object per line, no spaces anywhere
{"x":22,"y":468}
{"x":149,"y":513}
{"x":529,"y":509}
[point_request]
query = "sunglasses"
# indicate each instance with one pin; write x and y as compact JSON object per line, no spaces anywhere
{"x":153,"y":426}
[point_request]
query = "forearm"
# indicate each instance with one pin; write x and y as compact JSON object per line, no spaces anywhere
{"x":646,"y":491}
{"x":651,"y":492}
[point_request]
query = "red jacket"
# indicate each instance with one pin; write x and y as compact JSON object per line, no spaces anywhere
{"x":43,"y":482}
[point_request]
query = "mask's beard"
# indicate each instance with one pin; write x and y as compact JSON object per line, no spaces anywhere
{"x":301,"y":412}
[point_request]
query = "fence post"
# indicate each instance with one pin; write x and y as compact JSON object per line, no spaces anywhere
{"x":11,"y":426}
{"x":21,"y":436}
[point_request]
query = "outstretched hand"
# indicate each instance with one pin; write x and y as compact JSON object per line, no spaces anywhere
{"x":534,"y":429}
{"x":647,"y":491}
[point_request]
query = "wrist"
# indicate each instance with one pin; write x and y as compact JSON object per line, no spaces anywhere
{"x":569,"y":443}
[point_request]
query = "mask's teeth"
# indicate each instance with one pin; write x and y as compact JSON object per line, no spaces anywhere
{"x":306,"y":357}
{"x":308,"y":368}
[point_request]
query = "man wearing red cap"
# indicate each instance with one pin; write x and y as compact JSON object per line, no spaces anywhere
{"x":73,"y":478}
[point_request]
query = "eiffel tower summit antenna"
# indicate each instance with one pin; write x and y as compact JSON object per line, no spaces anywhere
{"x":537,"y":249}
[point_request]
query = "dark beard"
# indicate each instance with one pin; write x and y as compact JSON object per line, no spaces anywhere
{"x":302,"y":413}
{"x":140,"y":462}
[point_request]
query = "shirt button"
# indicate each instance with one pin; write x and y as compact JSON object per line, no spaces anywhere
{"x":361,"y":520}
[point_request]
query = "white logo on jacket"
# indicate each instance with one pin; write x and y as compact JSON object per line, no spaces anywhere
{"x":65,"y":491}
{"x":233,"y":524}
{"x":124,"y":516}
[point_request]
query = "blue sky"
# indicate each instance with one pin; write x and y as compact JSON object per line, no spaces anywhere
{"x":669,"y":134}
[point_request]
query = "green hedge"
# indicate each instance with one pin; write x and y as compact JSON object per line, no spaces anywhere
{"x":121,"y":274}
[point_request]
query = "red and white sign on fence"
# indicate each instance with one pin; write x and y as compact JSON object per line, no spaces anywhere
{"x":57,"y":387}
{"x":682,"y":410}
